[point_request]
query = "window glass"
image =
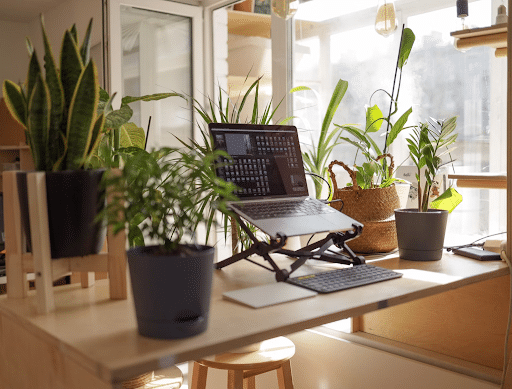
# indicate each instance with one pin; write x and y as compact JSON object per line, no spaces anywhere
{"x":438,"y":81}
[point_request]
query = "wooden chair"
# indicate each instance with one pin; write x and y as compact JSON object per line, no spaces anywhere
{"x":39,"y":261}
{"x":273,"y":354}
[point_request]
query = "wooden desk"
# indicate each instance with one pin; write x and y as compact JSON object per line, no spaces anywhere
{"x":92,"y":342}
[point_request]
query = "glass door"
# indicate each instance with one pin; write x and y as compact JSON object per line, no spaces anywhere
{"x":155,"y":46}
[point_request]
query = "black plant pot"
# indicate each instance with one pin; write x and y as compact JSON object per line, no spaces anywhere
{"x":420,"y":235}
{"x":171,"y":292}
{"x":74,"y":199}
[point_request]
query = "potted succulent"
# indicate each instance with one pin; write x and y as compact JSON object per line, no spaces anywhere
{"x":421,"y":231}
{"x":58,"y":108}
{"x":171,"y":278}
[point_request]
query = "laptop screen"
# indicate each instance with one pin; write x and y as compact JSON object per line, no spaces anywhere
{"x":266,"y":159}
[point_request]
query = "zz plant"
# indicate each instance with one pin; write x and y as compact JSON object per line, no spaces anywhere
{"x":427,"y":144}
{"x":58,"y":108}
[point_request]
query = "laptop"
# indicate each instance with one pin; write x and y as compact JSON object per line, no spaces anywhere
{"x":266,"y":165}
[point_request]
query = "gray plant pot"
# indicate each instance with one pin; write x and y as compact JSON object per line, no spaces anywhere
{"x":171,"y":293}
{"x":420,"y":234}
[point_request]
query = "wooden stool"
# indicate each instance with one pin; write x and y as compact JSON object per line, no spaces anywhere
{"x":171,"y":378}
{"x":274,"y":354}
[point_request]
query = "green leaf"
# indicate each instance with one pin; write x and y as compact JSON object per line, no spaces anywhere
{"x":408,"y":39}
{"x":132,"y":136}
{"x":71,"y":67}
{"x":398,"y":126}
{"x":117,"y":118}
{"x":152,"y":97}
{"x":15,"y":102}
{"x":337,"y":96}
{"x":54,"y":83}
{"x":34,"y":69}
{"x":81,"y":117}
{"x":373,"y":119}
{"x":86,"y":44}
{"x":38,"y":124}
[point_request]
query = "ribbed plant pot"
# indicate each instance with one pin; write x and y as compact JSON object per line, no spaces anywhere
{"x":171,"y":292}
{"x":420,"y":234}
{"x":74,"y":198}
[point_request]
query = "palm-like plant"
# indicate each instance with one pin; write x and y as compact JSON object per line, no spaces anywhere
{"x":317,"y":154}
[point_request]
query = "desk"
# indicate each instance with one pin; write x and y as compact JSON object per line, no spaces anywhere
{"x":92,"y":342}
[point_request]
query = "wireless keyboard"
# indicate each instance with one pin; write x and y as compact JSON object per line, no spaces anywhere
{"x":345,"y":278}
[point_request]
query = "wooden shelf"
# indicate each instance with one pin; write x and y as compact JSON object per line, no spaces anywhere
{"x":481,"y":181}
{"x":248,"y":24}
{"x":493,"y":36}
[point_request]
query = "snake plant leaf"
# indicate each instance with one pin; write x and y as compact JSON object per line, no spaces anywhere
{"x":74,"y":33}
{"x":373,"y":119}
{"x":15,"y":102}
{"x":86,"y":44}
{"x":398,"y":126}
{"x":71,"y":67}
{"x":96,"y":132}
{"x":82,"y":112}
{"x":132,"y":135}
{"x":39,"y":123}
{"x":408,"y":39}
{"x":56,"y":98}
{"x":34,"y":69}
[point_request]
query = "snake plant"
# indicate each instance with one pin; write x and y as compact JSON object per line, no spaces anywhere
{"x":58,"y":107}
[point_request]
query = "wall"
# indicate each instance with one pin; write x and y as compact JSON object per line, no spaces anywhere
{"x":13,"y":51}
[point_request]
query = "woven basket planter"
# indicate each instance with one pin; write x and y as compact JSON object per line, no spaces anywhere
{"x":373,"y":207}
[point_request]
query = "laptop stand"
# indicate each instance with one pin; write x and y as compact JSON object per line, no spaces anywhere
{"x":313,"y":251}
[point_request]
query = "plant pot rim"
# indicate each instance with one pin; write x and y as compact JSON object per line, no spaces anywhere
{"x":415,"y":210}
{"x":147,"y":249}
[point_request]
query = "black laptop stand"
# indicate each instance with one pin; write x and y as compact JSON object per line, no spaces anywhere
{"x":312,"y":251}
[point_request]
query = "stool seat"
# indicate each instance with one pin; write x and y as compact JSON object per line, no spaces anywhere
{"x":273,"y":354}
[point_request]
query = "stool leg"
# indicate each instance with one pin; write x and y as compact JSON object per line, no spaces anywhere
{"x":199,"y":375}
{"x":235,"y":379}
{"x":250,"y":383}
{"x":284,"y":376}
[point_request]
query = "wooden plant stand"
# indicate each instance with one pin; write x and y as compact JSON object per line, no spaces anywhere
{"x":46,"y":270}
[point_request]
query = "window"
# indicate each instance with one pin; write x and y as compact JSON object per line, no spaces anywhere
{"x":438,"y":81}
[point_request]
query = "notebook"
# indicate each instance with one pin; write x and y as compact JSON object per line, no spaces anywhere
{"x":266,"y":165}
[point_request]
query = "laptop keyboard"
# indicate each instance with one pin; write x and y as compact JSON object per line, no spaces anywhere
{"x":345,"y":278}
{"x":269,"y":210}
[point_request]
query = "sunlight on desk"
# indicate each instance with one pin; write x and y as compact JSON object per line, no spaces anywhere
{"x":423,"y":275}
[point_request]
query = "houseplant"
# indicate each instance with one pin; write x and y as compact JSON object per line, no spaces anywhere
{"x":171,"y":279}
{"x":421,"y":231}
{"x":59,"y":111}
{"x":224,"y":110}
{"x":371,"y":196}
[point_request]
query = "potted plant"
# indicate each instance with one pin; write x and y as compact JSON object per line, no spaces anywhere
{"x":171,"y":278}
{"x":58,"y":108}
{"x":421,"y":231}
{"x":371,"y":196}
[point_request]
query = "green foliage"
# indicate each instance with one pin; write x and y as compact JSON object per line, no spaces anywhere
{"x":427,"y":144}
{"x":119,"y":132}
{"x":59,"y":109}
{"x":379,"y":175}
{"x":169,"y":191}
{"x":224,"y":110}
{"x":316,"y":156}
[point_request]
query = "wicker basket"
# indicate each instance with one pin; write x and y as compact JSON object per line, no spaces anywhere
{"x":138,"y":382}
{"x":372,"y":207}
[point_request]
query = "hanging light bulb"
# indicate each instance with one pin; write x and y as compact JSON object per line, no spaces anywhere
{"x":285,"y":8}
{"x":386,"y":21}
